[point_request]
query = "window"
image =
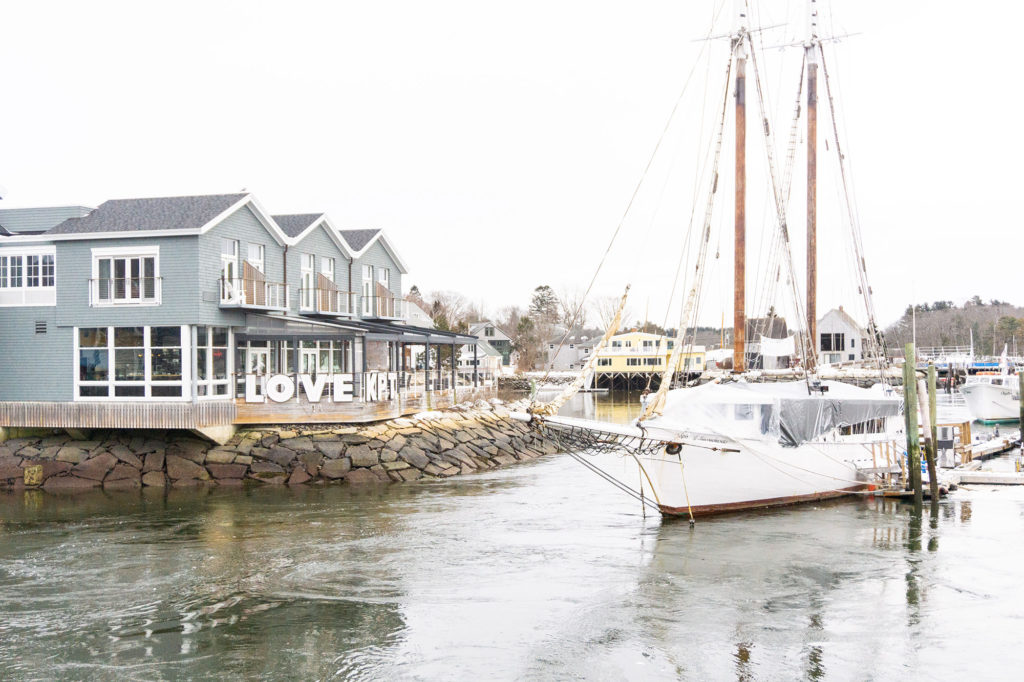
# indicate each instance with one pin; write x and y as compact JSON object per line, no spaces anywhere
{"x":853,"y":356}
{"x":125,"y":280}
{"x":367,"y":285}
{"x":384,"y":277}
{"x":212,"y":361}
{"x":307,"y":263}
{"x":327,"y":268}
{"x":255,"y":259}
{"x":27,"y":277}
{"x":853,"y":344}
{"x":616,"y":344}
{"x":488,"y":331}
{"x":833,"y":342}
{"x":131,"y":362}
{"x":604,"y":362}
{"x":633,"y":362}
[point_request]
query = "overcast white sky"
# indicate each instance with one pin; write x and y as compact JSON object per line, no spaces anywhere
{"x":498,"y":143}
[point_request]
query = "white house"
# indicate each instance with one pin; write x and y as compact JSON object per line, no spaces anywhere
{"x":496,"y":337}
{"x":840,"y":338}
{"x":569,"y":354}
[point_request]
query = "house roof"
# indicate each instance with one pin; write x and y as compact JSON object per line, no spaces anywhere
{"x":295,"y":224}
{"x":845,"y":316}
{"x":357,"y":239}
{"x":163,"y":213}
{"x":38,"y":219}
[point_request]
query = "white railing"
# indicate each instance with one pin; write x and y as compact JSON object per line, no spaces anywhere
{"x":413,"y":384}
{"x":125,"y":291}
{"x":253,"y":293}
{"x":327,"y":302}
{"x":384,"y":307}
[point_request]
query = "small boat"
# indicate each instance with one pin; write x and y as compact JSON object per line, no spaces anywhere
{"x":993,"y":396}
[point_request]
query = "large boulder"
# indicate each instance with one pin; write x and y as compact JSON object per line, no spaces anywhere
{"x":311,"y":461}
{"x":414,"y":456}
{"x":95,"y":468}
{"x":298,"y":444}
{"x":362,"y":456}
{"x":125,"y":455}
{"x":154,"y":461}
{"x":332,"y":449}
{"x":155,"y":479}
{"x":335,"y":468}
{"x":279,"y":455}
{"x":220,"y":471}
{"x":181,"y":469}
{"x":57,"y":484}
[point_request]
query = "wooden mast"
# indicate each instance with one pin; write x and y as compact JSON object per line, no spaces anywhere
{"x":811,"y":56}
{"x":739,"y":267}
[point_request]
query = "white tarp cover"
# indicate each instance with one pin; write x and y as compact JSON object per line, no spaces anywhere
{"x":782,"y":411}
{"x":777,"y":348}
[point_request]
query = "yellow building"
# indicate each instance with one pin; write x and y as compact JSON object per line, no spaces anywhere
{"x":632,"y":357}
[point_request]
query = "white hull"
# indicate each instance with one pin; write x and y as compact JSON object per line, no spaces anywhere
{"x":988,"y":402}
{"x":758,"y":474}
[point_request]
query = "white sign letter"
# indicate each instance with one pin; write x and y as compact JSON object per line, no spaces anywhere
{"x":314,"y":388}
{"x":343,"y":388}
{"x":251,"y":396}
{"x":280,"y":388}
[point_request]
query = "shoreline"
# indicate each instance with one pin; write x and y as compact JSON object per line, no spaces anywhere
{"x":460,"y":440}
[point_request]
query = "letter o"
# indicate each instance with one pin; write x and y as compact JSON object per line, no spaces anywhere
{"x":280,"y":388}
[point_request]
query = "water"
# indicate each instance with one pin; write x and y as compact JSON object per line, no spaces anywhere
{"x":538,"y":571}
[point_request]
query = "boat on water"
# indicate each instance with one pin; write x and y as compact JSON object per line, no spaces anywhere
{"x":992,"y":397}
{"x":735,"y":444}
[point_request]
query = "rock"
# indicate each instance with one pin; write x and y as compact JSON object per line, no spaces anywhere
{"x":332,"y":449}
{"x":29,"y":451}
{"x":154,"y":478}
{"x":362,"y":456}
{"x":150,"y":446}
{"x":56,"y":484}
{"x":53,"y":468}
{"x":50,"y":452}
{"x":380,"y":473}
{"x":125,"y":455}
{"x":9,"y":461}
{"x":335,"y":468}
{"x":124,"y":483}
{"x":11,"y":472}
{"x":265,"y":468}
{"x":71,"y":454}
{"x":244,"y":447}
{"x":396,"y":443}
{"x":181,"y":469}
{"x":190,"y":449}
{"x":298,"y":477}
{"x":414,"y":456}
{"x":219,"y":471}
{"x":359,"y":476}
{"x":243,"y":459}
{"x":95,"y":468}
{"x":354,"y":439}
{"x":433,"y":470}
{"x":376,"y":444}
{"x":154,"y":461}
{"x":395,"y":466}
{"x":410,"y":474}
{"x":505,"y":459}
{"x":284,"y":435}
{"x":122,"y":472}
{"x":220,"y":457}
{"x":270,"y":440}
{"x":388,"y":455}
{"x":344,"y":431}
{"x":297,"y":444}
{"x":311,"y":461}
{"x":463,"y":436}
{"x":280,"y":456}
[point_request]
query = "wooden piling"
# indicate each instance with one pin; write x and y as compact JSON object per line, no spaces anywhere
{"x":910,"y":415}
{"x":930,"y":433}
{"x":1020,"y":388}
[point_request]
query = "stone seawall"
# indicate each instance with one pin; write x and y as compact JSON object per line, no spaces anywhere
{"x":461,"y":440}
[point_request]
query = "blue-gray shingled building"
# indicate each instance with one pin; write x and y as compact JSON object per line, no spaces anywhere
{"x":164,"y":312}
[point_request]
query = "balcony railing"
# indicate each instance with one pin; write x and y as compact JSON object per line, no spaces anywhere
{"x":125,"y":291}
{"x":327,"y":302}
{"x":384,"y":307}
{"x":240,"y":292}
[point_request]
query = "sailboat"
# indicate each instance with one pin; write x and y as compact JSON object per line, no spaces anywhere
{"x":735,"y":445}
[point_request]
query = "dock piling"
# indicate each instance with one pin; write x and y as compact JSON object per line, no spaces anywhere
{"x":930,"y":435}
{"x":910,"y":415}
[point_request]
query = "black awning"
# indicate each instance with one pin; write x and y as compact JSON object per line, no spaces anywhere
{"x":264,"y":326}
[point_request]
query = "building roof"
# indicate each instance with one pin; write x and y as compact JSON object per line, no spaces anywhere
{"x":37,"y":219}
{"x":845,"y":317}
{"x":357,"y":239}
{"x":295,"y":224}
{"x":163,"y":213}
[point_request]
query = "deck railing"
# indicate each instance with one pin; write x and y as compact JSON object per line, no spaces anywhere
{"x":384,"y":307}
{"x":239,"y":292}
{"x":327,"y":301}
{"x":125,"y":291}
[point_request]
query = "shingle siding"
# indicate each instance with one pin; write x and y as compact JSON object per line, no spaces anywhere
{"x":319,"y":243}
{"x":35,"y":366}
{"x":378,"y":257}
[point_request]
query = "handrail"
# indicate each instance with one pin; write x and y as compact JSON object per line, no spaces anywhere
{"x":253,"y":293}
{"x":124,"y":290}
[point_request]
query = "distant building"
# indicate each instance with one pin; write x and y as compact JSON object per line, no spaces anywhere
{"x":840,"y":338}
{"x":631,"y":359}
{"x":487,"y":359}
{"x":498,"y":339}
{"x":418,"y":316}
{"x":570,"y":353}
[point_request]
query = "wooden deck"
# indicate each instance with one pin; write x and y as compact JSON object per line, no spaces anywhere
{"x":181,"y":415}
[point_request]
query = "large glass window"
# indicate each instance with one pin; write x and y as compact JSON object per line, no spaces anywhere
{"x":147,"y":362}
{"x":211,"y":360}
{"x":30,"y":271}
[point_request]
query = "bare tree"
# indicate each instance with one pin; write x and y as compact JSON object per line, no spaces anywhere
{"x":449,"y":309}
{"x":571,"y":309}
{"x":604,"y":308}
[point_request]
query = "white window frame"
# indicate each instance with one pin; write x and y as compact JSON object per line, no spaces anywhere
{"x":209,"y":382}
{"x":368,"y":294}
{"x":307,"y":268}
{"x":327,"y":268}
{"x":23,"y":294}
{"x":142,"y":252}
{"x":257,"y":260}
{"x":147,"y":383}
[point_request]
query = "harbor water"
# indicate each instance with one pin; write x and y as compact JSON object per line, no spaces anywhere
{"x":536,"y":571}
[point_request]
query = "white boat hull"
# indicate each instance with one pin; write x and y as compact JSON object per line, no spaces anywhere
{"x":988,"y":402}
{"x":753,"y":475}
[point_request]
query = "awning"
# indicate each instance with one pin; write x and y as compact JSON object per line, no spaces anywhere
{"x":285,"y":326}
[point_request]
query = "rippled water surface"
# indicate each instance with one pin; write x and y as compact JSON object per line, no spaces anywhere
{"x":538,"y":571}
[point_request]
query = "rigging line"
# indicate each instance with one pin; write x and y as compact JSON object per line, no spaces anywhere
{"x":657,"y":402}
{"x":780,"y":210}
{"x":629,"y":205}
{"x":861,"y":265}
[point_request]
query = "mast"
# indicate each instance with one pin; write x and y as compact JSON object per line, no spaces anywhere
{"x":811,"y":57}
{"x":739,"y":267}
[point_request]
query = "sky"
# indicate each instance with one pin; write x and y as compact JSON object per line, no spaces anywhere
{"x":498,"y":144}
